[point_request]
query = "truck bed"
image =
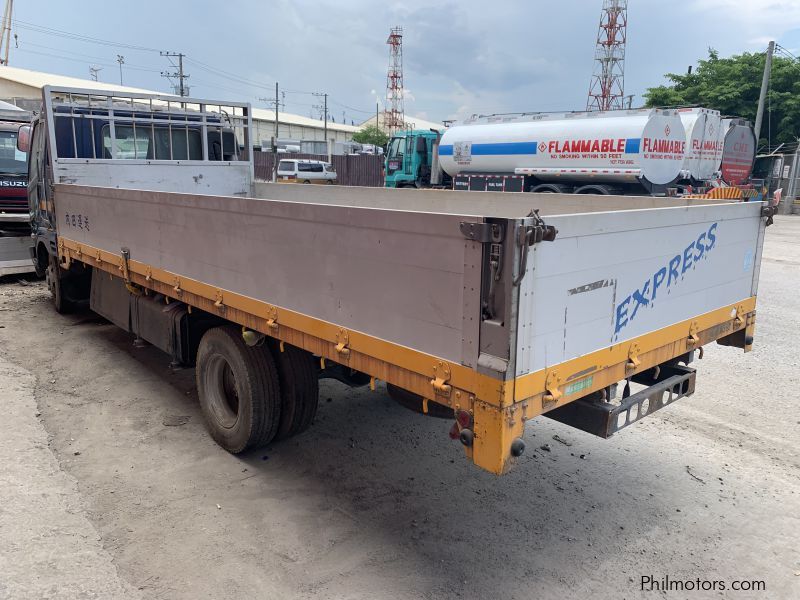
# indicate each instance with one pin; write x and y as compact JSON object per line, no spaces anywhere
{"x":399,"y":284}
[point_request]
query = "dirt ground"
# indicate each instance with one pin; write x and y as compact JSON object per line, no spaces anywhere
{"x":376,"y":502}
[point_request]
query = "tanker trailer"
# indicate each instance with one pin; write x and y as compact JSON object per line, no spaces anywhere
{"x":703,"y":144}
{"x":738,"y":143}
{"x":619,"y":152}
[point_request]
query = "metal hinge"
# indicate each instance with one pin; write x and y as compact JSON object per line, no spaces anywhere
{"x":539,"y":231}
{"x":693,"y":338}
{"x":527,"y":236}
{"x":441,"y":375}
{"x":342,"y":343}
{"x":482,"y":232}
{"x":551,"y":385}
{"x":633,"y":361}
{"x":126,"y":255}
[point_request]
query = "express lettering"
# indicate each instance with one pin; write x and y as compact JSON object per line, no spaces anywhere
{"x":664,"y":278}
{"x":659,"y":146}
{"x":604,"y":145}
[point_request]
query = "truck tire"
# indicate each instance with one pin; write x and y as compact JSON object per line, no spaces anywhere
{"x":238,"y":389}
{"x":299,"y":384}
{"x":55,"y":282}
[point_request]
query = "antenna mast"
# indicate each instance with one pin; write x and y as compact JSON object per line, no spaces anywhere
{"x":607,"y":89}
{"x":394,"y":117}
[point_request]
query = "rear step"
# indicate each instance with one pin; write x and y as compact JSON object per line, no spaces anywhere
{"x":604,"y":419}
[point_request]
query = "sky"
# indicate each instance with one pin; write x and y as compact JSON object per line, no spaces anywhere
{"x":460,"y":58}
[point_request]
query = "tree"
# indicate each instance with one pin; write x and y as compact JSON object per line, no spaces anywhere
{"x":732,"y":86}
{"x":371,"y":134}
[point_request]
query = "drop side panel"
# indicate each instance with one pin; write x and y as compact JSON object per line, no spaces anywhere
{"x":408,"y":278}
{"x":609,"y":277}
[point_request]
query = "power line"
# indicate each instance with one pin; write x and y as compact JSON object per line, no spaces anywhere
{"x":103,"y":61}
{"x":105,"y":42}
{"x":226,"y":75}
{"x":78,"y":54}
{"x":369,"y":112}
{"x":80,"y":60}
{"x":79,"y":37}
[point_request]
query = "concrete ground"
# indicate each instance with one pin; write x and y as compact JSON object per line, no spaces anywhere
{"x":126,"y":496}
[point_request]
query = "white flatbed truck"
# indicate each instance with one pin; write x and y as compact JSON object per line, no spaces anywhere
{"x":491,"y":308}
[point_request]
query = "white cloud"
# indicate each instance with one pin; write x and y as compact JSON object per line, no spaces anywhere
{"x":757,"y":21}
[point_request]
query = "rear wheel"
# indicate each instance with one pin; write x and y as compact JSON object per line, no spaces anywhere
{"x":238,"y":389}
{"x":299,"y":388}
{"x":55,"y":278}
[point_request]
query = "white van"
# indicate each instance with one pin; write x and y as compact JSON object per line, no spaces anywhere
{"x":300,"y":170}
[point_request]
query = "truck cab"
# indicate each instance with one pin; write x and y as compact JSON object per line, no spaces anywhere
{"x":15,"y":229}
{"x":412,"y":159}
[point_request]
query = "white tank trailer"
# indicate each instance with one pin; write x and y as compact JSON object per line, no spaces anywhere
{"x":738,"y":142}
{"x":626,"y":150}
{"x":703,"y":144}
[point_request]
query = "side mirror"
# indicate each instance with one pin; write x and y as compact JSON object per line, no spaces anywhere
{"x":24,"y":138}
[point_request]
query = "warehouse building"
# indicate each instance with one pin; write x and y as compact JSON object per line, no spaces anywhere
{"x":22,"y":88}
{"x":411,"y":123}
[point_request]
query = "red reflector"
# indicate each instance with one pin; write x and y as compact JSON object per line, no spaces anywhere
{"x":454,"y":432}
{"x":464,"y":419}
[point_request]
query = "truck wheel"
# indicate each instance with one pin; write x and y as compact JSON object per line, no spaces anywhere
{"x":299,"y":388}
{"x":40,"y":262}
{"x":55,"y":283}
{"x":238,"y":389}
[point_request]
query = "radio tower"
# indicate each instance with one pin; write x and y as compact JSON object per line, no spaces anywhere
{"x":394,"y":116}
{"x":607,"y":89}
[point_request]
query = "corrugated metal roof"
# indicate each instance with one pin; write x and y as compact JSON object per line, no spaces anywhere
{"x":269,"y":115}
{"x":10,"y":107}
{"x":413,"y":122}
{"x":38,"y":79}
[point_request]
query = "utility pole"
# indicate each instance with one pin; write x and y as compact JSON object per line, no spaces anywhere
{"x":93,"y":71}
{"x":791,"y":190}
{"x":121,"y":61}
{"x":277,"y":104}
{"x":182,"y":89}
{"x":377,"y":119}
{"x":275,"y":144}
{"x":764,"y":87}
{"x":5,"y":31}
{"x":324,"y":108}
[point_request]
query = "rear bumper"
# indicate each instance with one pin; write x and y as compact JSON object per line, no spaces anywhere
{"x":14,"y":217}
{"x":593,"y":415}
{"x":15,"y":255}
